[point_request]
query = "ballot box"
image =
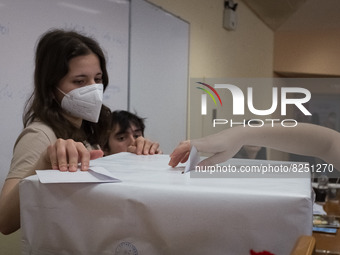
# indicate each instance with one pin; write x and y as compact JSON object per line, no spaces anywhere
{"x":154,"y":209}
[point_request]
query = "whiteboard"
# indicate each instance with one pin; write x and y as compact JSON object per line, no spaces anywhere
{"x":159,"y":59}
{"x":22,"y":23}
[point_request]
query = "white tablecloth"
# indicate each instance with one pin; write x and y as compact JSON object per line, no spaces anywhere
{"x":158,"y":210}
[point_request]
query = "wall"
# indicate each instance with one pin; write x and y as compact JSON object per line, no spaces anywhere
{"x":218,"y":53}
{"x":310,"y":52}
{"x":10,"y":244}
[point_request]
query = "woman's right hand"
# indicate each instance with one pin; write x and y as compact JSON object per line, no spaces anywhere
{"x":64,"y":155}
{"x":221,"y":146}
{"x":180,"y":153}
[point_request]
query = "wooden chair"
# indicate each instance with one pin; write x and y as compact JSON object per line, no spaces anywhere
{"x":305,"y":245}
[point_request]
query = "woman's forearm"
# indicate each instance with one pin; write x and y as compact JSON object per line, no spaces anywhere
{"x":304,"y":139}
{"x":10,"y":200}
{"x":10,"y":207}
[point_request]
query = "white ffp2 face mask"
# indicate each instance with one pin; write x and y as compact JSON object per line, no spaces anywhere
{"x":85,"y":102}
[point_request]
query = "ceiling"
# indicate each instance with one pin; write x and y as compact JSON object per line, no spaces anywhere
{"x":298,"y":15}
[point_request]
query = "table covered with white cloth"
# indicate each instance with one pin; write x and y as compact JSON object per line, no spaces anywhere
{"x":156,"y":209}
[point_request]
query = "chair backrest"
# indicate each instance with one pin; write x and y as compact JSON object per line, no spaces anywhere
{"x":305,"y":245}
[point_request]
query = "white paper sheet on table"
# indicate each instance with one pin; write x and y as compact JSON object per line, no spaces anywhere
{"x":95,"y":174}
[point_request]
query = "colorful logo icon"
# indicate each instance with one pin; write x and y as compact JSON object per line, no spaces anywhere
{"x":204,"y":97}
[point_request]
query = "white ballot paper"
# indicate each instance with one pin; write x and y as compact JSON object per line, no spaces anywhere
{"x":95,"y":174}
{"x":193,"y":160}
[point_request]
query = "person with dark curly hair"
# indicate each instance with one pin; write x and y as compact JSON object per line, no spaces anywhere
{"x":126,"y":132}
